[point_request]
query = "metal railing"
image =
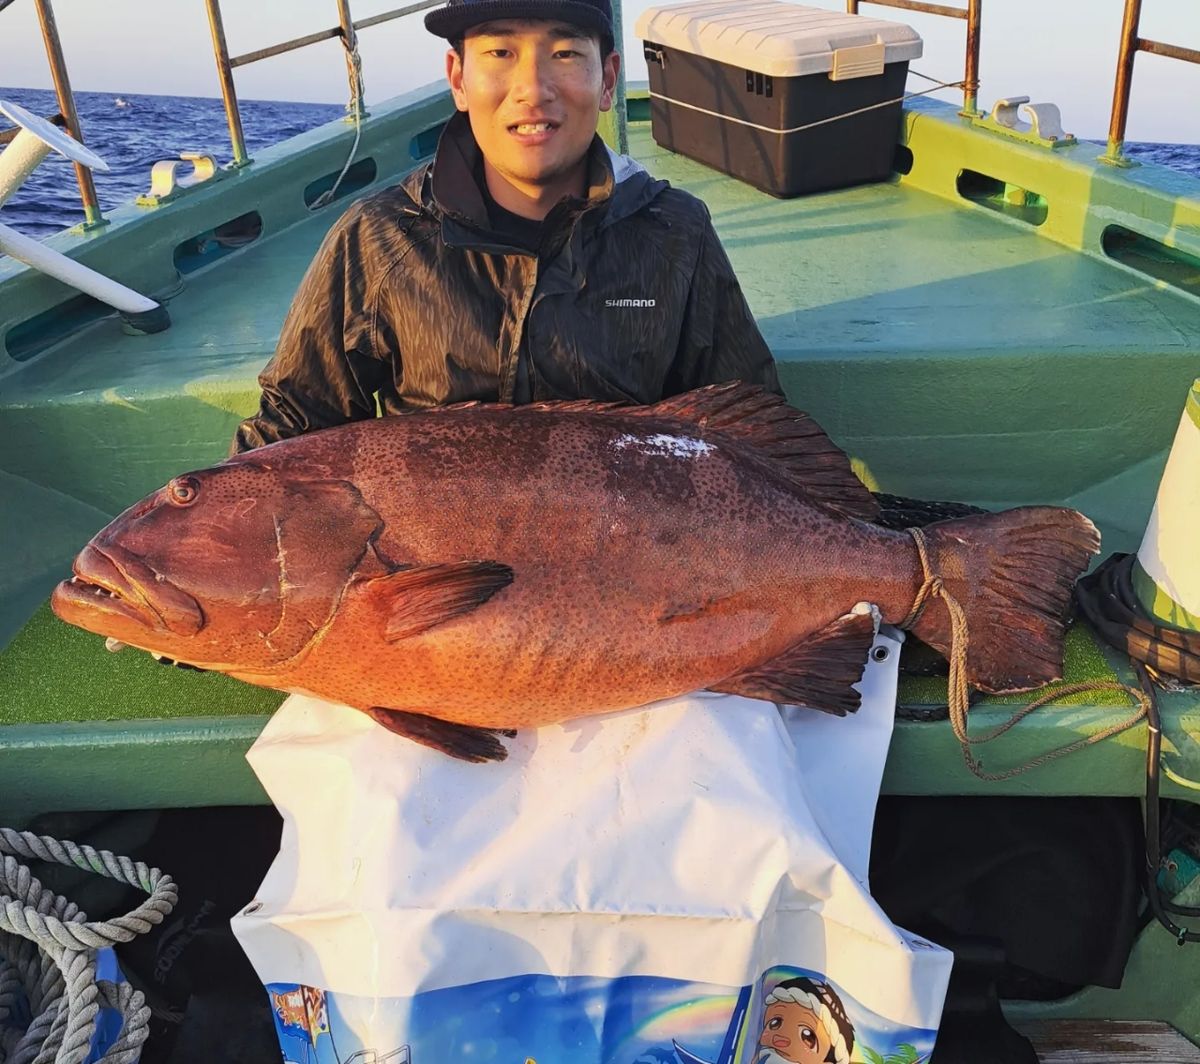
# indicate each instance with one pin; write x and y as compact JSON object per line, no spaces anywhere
{"x":972,"y":14}
{"x":1131,"y":44}
{"x":66,"y":107}
{"x":346,"y":29}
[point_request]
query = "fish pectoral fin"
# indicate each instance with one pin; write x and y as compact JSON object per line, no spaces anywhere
{"x":818,"y":672}
{"x":458,"y":740}
{"x":412,"y":601}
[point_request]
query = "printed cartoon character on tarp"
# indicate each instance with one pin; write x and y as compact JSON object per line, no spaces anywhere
{"x":804,"y":1022}
{"x":301,"y":1018}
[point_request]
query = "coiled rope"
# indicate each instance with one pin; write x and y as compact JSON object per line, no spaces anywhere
{"x":48,"y":955}
{"x":958,"y":695}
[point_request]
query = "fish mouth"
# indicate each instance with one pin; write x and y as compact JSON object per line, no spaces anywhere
{"x":110,"y":585}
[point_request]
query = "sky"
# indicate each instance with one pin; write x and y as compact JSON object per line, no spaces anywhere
{"x":1063,"y":51}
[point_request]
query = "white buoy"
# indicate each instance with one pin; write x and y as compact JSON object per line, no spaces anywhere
{"x":1166,"y":575}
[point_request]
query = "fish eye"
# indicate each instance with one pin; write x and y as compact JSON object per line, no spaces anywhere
{"x":182,"y":491}
{"x":774,"y":1023}
{"x":809,"y":1037}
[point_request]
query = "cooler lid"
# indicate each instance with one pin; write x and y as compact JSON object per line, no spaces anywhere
{"x":777,"y":38}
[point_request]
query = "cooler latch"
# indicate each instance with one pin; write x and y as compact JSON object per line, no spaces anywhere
{"x":863,"y":61}
{"x":654,"y":54}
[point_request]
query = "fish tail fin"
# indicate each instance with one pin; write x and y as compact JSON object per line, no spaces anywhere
{"x":1013,"y":574}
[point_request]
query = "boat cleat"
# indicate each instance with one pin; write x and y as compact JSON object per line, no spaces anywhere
{"x":1044,"y":126}
{"x":167,"y":184}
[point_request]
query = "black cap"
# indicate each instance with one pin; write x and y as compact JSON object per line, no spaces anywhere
{"x":458,"y":16}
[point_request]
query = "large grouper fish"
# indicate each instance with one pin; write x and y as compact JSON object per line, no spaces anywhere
{"x":461,"y":572}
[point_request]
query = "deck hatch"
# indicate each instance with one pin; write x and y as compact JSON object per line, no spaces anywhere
{"x":217,"y":242}
{"x":1003,"y":197}
{"x":34,"y":335}
{"x":358,"y":177}
{"x":1174,"y":266}
{"x":423,"y":144}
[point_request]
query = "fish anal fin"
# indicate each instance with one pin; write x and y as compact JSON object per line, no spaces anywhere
{"x":462,"y":741}
{"x":766,"y":424}
{"x":818,"y":672}
{"x":411,"y":601}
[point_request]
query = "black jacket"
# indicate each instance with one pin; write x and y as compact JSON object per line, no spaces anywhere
{"x":413,"y":298}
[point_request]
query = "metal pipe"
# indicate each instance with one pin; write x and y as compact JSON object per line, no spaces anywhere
{"x":286,"y":46}
{"x":1115,"y":153}
{"x":228,"y":93}
{"x":620,"y":101}
{"x":66,"y":104}
{"x":971,"y":75}
{"x":324,"y":35}
{"x":387,"y":16}
{"x":918,"y":5}
{"x":1172,"y":51}
{"x":973,"y":14}
{"x":353,"y":70}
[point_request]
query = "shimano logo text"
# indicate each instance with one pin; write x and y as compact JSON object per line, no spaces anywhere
{"x":629,"y":302}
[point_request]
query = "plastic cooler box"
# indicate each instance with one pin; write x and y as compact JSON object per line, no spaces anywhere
{"x":750,"y":88}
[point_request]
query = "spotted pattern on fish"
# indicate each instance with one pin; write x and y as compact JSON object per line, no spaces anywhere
{"x":503,"y":567}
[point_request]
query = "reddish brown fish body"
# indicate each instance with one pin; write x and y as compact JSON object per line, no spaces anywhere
{"x":510,"y":567}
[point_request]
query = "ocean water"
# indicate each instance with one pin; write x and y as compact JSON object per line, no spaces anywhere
{"x":132,"y":132}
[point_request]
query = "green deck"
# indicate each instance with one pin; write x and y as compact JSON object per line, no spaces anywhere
{"x":958,"y":353}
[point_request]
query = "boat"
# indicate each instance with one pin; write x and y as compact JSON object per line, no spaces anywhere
{"x":1012,"y":317}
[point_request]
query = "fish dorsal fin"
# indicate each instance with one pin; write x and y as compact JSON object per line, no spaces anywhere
{"x":767,"y":424}
{"x":761,"y":421}
{"x":818,"y":672}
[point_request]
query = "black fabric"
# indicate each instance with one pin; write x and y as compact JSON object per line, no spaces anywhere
{"x":415,"y":301}
{"x":207,"y":1002}
{"x":521,"y":232}
{"x":1054,"y":882}
{"x":458,"y":16}
{"x":973,"y":1028}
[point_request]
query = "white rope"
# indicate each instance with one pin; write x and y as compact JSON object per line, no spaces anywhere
{"x":356,"y":97}
{"x":820,"y":122}
{"x":48,"y":955}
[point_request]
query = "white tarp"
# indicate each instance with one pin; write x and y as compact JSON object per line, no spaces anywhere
{"x":684,"y":882}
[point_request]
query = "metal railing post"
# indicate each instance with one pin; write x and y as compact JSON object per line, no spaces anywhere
{"x":620,"y":103}
{"x":1115,"y":154}
{"x":66,"y":105}
{"x":353,"y":72}
{"x":971,"y":74}
{"x":233,"y":116}
{"x":973,"y":15}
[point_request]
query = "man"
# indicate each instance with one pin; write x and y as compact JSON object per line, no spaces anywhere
{"x":525,"y":263}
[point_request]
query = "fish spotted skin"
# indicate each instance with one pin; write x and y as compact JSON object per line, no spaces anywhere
{"x":507,"y":567}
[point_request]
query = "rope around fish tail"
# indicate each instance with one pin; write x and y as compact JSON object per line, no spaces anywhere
{"x":958,"y":693}
{"x":48,"y":955}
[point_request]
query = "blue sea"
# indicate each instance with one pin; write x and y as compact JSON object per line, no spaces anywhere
{"x":131,"y":132}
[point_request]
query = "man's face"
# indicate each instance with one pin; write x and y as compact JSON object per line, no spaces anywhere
{"x":794,"y":1034}
{"x":533,"y":91}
